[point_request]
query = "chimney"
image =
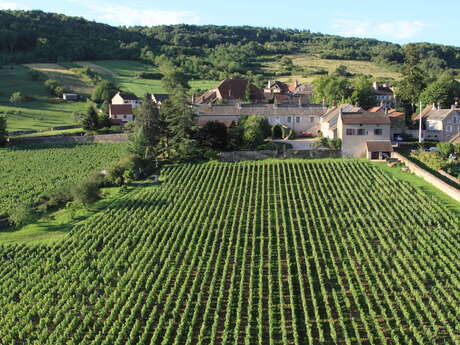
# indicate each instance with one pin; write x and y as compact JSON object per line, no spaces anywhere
{"x":269,"y":85}
{"x":374,"y":85}
{"x":193,"y":98}
{"x":434,"y":106}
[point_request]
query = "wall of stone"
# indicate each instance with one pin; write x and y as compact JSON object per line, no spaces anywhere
{"x":451,"y":191}
{"x":237,"y":156}
{"x":65,"y":139}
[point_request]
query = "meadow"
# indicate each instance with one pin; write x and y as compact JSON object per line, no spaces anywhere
{"x":42,"y":112}
{"x":314,"y":63}
{"x":279,"y":252}
{"x":26,"y":172}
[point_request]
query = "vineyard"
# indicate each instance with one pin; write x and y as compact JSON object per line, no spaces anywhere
{"x":293,"y":252}
{"x":28,"y":171}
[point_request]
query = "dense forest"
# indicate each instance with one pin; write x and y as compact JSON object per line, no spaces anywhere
{"x":202,"y":51}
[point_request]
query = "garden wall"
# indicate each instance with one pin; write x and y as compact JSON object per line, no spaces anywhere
{"x":451,"y":191}
{"x":237,"y":156}
{"x":65,"y":139}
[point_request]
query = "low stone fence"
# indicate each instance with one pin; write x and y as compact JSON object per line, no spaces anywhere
{"x":236,"y":156}
{"x":451,"y":191}
{"x":70,"y":139}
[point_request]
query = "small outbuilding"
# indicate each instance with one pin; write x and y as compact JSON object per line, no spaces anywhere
{"x":70,"y":96}
{"x":378,"y":149}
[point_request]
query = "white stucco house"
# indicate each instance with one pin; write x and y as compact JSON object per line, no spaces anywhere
{"x":126,"y":98}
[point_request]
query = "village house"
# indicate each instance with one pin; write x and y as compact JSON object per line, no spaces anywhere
{"x":440,"y":124}
{"x":397,"y":120}
{"x":365,"y":134}
{"x":298,"y":117}
{"x":288,"y":93}
{"x":126,"y":98}
{"x":231,"y":90}
{"x":120,"y":113}
{"x":159,"y":98}
{"x":330,"y":118}
{"x":385,"y":95}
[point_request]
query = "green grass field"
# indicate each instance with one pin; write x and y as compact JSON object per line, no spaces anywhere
{"x":313,"y":63}
{"x":331,"y":252}
{"x":39,"y":114}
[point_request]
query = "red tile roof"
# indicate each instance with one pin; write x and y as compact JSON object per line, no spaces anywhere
{"x":366,"y":118}
{"x":121,"y":109}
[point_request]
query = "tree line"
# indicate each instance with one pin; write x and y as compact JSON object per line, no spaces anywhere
{"x":208,"y":51}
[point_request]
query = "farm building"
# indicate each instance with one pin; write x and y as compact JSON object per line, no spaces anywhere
{"x":121,"y":113}
{"x":231,"y":90}
{"x":299,"y":117}
{"x":70,"y":96}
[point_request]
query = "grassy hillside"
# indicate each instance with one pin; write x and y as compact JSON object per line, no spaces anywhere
{"x":314,"y":65}
{"x":43,"y":112}
{"x":279,"y":252}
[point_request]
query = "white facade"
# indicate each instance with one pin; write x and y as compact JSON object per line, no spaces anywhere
{"x":119,"y":99}
{"x":355,"y":137}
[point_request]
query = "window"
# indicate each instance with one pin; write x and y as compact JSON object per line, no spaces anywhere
{"x":448,"y":128}
{"x":297,"y":119}
{"x":378,"y":131}
{"x":361,"y":131}
{"x":289,"y":119}
{"x":124,"y":116}
{"x":312,"y":119}
{"x":350,"y":131}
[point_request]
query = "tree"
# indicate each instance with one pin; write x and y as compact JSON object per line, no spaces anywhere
{"x":104,"y":92}
{"x":213,"y":135}
{"x":363,"y":92}
{"x":17,"y":98}
{"x":146,"y":138}
{"x":3,"y":131}
{"x":172,"y":75}
{"x":444,"y":91}
{"x":255,"y":130}
{"x":54,"y":87}
{"x":413,"y":82}
{"x":90,"y":120}
{"x":180,"y":122}
{"x":331,"y":88}
{"x":248,"y":97}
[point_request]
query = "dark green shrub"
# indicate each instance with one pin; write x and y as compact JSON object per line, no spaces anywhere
{"x":277,"y":132}
{"x":21,"y":214}
{"x":86,"y":192}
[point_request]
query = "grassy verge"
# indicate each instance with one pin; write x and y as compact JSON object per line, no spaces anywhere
{"x":72,"y":131}
{"x":55,"y":225}
{"x":420,"y":183}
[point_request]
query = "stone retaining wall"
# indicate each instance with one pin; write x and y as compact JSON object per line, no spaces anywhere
{"x":451,"y":191}
{"x":67,"y":139}
{"x":237,"y":156}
